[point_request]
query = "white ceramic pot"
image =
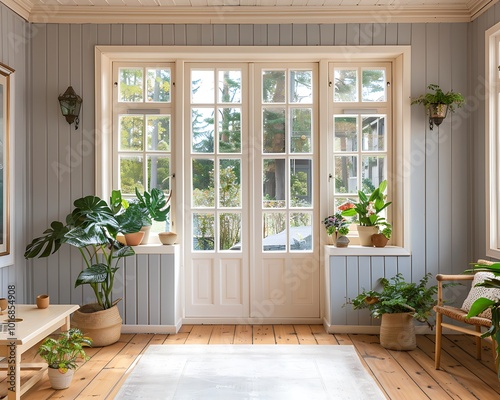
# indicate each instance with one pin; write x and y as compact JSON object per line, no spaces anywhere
{"x":59,"y":380}
{"x":167,"y":237}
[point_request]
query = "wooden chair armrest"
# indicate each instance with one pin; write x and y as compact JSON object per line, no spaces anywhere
{"x":441,"y":277}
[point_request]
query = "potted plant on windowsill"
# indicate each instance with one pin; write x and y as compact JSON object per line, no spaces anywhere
{"x":398,"y":303}
{"x":367,"y":211}
{"x":382,"y":238}
{"x":158,"y":207}
{"x":92,"y":227}
{"x":439,"y":103}
{"x":61,"y":355}
{"x":337,"y":227}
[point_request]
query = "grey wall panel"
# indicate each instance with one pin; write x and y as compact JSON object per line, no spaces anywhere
{"x":437,"y":165}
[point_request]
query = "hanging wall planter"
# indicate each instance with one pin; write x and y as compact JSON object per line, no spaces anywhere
{"x":438,"y":103}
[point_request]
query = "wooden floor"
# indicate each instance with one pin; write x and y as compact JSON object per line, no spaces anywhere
{"x":401,"y":375}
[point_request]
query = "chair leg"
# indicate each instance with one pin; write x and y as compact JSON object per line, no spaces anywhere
{"x":439,"y":329}
{"x":478,"y":343}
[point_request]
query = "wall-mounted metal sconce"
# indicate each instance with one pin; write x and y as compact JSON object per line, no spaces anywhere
{"x":437,"y":113}
{"x":70,"y":104}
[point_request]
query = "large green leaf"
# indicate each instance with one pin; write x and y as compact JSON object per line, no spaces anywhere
{"x":96,"y":273}
{"x":44,"y":246}
{"x":80,"y":237}
{"x":479,"y":306}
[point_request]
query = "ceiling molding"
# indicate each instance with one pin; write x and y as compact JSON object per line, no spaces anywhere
{"x":39,"y":13}
{"x":246,"y":15}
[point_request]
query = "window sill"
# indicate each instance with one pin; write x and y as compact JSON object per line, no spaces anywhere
{"x":356,"y":250}
{"x":157,"y":249}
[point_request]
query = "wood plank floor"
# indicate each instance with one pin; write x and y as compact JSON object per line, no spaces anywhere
{"x":401,"y":375}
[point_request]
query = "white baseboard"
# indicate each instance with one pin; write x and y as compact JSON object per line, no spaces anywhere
{"x":251,"y":321}
{"x":159,"y":329}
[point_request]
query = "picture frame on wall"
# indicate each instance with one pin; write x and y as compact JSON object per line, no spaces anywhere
{"x":5,"y":158}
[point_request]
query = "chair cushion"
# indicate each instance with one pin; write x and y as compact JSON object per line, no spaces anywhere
{"x":477,"y":292}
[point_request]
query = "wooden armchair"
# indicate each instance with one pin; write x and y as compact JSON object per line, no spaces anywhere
{"x":459,"y":314}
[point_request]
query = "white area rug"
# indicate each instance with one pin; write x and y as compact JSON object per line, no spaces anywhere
{"x":237,"y":372}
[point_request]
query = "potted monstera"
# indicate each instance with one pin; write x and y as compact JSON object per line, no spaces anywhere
{"x":61,"y":355}
{"x":158,"y":207}
{"x":92,"y":228}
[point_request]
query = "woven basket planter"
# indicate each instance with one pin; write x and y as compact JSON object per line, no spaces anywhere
{"x":397,"y":332}
{"x":103,"y":327}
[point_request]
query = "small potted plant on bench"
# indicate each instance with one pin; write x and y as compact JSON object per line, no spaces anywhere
{"x":61,"y":355}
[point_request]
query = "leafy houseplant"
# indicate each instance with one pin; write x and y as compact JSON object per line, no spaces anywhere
{"x":483,"y":303}
{"x":156,"y":203}
{"x":402,"y":300}
{"x":399,"y":296}
{"x":337,"y":228}
{"x":92,"y":228}
{"x":437,"y":96}
{"x":367,"y":209}
{"x":62,"y":353}
{"x":438,"y":103}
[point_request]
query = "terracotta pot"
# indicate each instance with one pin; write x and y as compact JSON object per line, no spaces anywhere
{"x":365,"y":234}
{"x":102,"y":326}
{"x":59,"y":380}
{"x":379,"y":240}
{"x":134,"y":239}
{"x":397,"y":332}
{"x":167,"y":237}
{"x":42,"y":300}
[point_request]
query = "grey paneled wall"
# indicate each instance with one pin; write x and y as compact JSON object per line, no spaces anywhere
{"x":14,"y":46}
{"x":350,"y":275}
{"x":62,"y":163}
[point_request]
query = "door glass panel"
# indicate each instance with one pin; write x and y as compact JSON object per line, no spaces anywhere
{"x":203,"y":231}
{"x":202,"y":86}
{"x":229,"y":183}
{"x":131,"y":174}
{"x":346,"y":133}
{"x":301,"y":130}
{"x":158,"y":85}
{"x":274,"y":187}
{"x":301,"y":87}
{"x":373,"y":171}
{"x":230,"y":86}
{"x":273,"y":86}
{"x":274,"y":235}
{"x":373,"y":130}
{"x":158,"y":131}
{"x":229,"y":130}
{"x":345,"y":88}
{"x":131,"y":132}
{"x":203,"y":183}
{"x":373,"y":88}
{"x":230,"y":231}
{"x":202,"y":130}
{"x":300,"y":183}
{"x":300,"y":231}
{"x":131,"y":83}
{"x":346,"y":174}
{"x":273,"y":129}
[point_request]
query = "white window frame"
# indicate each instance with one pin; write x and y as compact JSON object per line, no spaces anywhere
{"x":492,"y":142}
{"x":398,"y":55}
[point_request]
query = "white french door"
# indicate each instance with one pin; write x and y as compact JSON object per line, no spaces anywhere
{"x":251,"y":227}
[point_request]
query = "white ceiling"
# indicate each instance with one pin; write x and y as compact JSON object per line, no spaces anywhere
{"x":248,"y":11}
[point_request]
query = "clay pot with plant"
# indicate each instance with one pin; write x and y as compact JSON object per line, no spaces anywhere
{"x":61,"y":355}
